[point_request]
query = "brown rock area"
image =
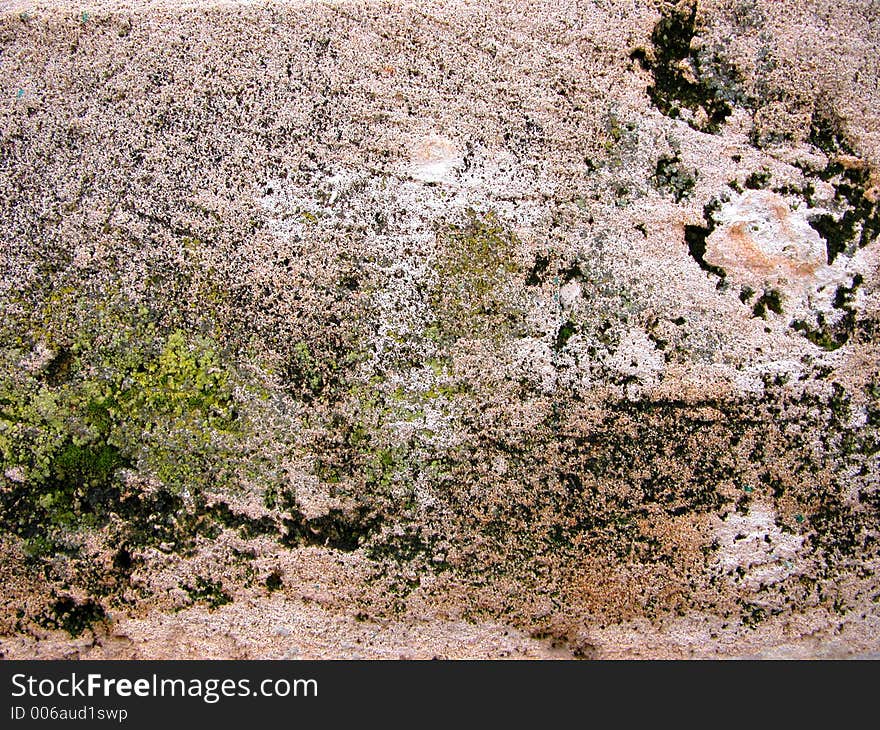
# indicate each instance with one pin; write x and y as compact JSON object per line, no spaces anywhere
{"x":453,"y":329}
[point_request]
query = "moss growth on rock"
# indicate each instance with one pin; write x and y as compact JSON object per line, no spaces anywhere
{"x":130,"y":398}
{"x":475,"y":263}
{"x":858,"y":222}
{"x":671,"y":176}
{"x":72,"y":616}
{"x":207,"y":591}
{"x":684,"y":79}
{"x":770,"y":300}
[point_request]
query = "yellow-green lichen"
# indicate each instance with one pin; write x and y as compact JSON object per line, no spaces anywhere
{"x":105,"y":390}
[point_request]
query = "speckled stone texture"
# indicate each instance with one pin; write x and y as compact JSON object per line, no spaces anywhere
{"x":463,"y":329}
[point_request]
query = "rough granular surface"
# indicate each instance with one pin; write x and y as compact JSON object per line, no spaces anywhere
{"x":451,"y":329}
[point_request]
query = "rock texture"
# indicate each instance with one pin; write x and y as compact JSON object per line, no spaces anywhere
{"x":469,"y":329}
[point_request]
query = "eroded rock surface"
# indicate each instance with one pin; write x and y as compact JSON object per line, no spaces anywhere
{"x":453,"y":329}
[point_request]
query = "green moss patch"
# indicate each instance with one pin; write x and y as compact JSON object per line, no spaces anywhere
{"x":476,"y":261}
{"x":709,"y":93}
{"x":130,"y":399}
{"x":859,"y":223}
{"x":671,"y":176}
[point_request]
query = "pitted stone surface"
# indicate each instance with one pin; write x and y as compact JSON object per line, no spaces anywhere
{"x":467,"y":329}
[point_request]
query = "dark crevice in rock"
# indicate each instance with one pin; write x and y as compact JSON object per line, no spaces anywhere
{"x":836,"y":233}
{"x":825,"y":135}
{"x":695,"y":237}
{"x":56,"y":370}
{"x":566,"y":330}
{"x":571,"y":272}
{"x":770,"y":300}
{"x":72,"y":616}
{"x":709,"y":96}
{"x":408,"y":546}
{"x":274,"y":581}
{"x":831,"y":335}
{"x":248,"y":526}
{"x":539,"y":268}
{"x":339,"y":529}
{"x":859,"y":224}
